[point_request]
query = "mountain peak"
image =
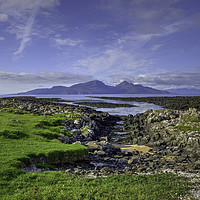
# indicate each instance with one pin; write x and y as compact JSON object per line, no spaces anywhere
{"x":130,"y":88}
{"x":125,"y":83}
{"x":96,"y":82}
{"x":97,"y":87}
{"x":58,"y":87}
{"x":92,"y":87}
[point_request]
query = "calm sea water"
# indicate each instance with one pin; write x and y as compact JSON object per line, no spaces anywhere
{"x":141,"y":107}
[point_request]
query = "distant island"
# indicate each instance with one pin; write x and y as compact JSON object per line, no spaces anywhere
{"x":96,"y":87}
{"x":185,"y":91}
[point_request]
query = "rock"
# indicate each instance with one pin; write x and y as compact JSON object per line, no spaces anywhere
{"x":77,"y":170}
{"x":68,"y":171}
{"x":65,"y":139}
{"x":197,"y":165}
{"x":68,"y":124}
{"x":78,"y":121}
{"x":99,"y":153}
{"x":105,"y":171}
{"x":121,"y":163}
{"x":128,"y":153}
{"x":104,"y":139}
{"x":76,"y":132}
{"x":103,"y":143}
{"x":141,"y":169}
{"x":94,"y":145}
{"x":133,"y":160}
{"x":85,"y":134}
{"x":77,"y":142}
{"x":89,"y":134}
{"x":172,"y":147}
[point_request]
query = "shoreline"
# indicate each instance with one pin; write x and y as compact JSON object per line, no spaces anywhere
{"x":148,"y":129}
{"x":101,"y":127}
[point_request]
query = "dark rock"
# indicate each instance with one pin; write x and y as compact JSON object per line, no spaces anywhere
{"x":64,"y":139}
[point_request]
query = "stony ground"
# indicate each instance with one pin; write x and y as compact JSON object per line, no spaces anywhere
{"x":175,"y":102}
{"x":159,"y":141}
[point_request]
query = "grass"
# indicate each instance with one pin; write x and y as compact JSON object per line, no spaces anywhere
{"x":187,"y":128}
{"x":193,"y":119}
{"x":59,"y":185}
{"x":184,"y":127}
{"x":25,"y":136}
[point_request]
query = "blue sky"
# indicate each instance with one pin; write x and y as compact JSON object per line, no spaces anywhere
{"x":44,"y":43}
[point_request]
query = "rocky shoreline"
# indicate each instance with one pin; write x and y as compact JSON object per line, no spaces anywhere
{"x":170,"y":148}
{"x":174,"y":134}
{"x":174,"y":102}
{"x":104,"y":104}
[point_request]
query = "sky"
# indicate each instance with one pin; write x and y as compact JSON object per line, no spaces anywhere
{"x":44,"y":43}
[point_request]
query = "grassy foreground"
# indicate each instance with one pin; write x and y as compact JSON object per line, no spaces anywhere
{"x":25,"y":136}
{"x":59,"y":185}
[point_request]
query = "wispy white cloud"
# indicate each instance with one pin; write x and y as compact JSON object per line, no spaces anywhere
{"x":2,"y":38}
{"x":150,"y":17}
{"x":156,"y":47}
{"x":42,"y":78}
{"x":15,"y":7}
{"x":131,"y":52}
{"x":98,"y":26}
{"x":11,"y":82}
{"x":161,"y":31}
{"x":21,"y":15}
{"x":3,"y":17}
{"x":68,"y":42}
{"x":114,"y":61}
{"x":146,"y":11}
{"x":172,"y":79}
{"x":177,"y":79}
{"x":25,"y":37}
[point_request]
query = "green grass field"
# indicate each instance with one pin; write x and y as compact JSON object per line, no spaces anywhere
{"x":25,"y":136}
{"x":59,"y":185}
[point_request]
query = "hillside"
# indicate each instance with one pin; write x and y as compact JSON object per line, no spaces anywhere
{"x":92,"y":87}
{"x":185,"y":91}
{"x":96,"y":87}
{"x":129,"y":88}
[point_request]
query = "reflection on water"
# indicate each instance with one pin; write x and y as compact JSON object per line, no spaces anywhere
{"x":141,"y":107}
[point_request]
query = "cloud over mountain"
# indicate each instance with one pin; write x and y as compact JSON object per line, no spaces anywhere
{"x":42,"y":78}
{"x":183,"y":78}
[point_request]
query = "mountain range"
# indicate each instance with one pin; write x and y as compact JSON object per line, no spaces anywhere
{"x":185,"y":91}
{"x":96,"y":87}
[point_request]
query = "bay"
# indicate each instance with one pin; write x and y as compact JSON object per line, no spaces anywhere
{"x":140,"y":106}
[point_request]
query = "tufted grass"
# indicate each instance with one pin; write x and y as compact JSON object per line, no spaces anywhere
{"x":59,"y":185}
{"x":23,"y":136}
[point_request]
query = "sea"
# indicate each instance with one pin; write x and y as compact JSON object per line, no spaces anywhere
{"x":140,"y":106}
